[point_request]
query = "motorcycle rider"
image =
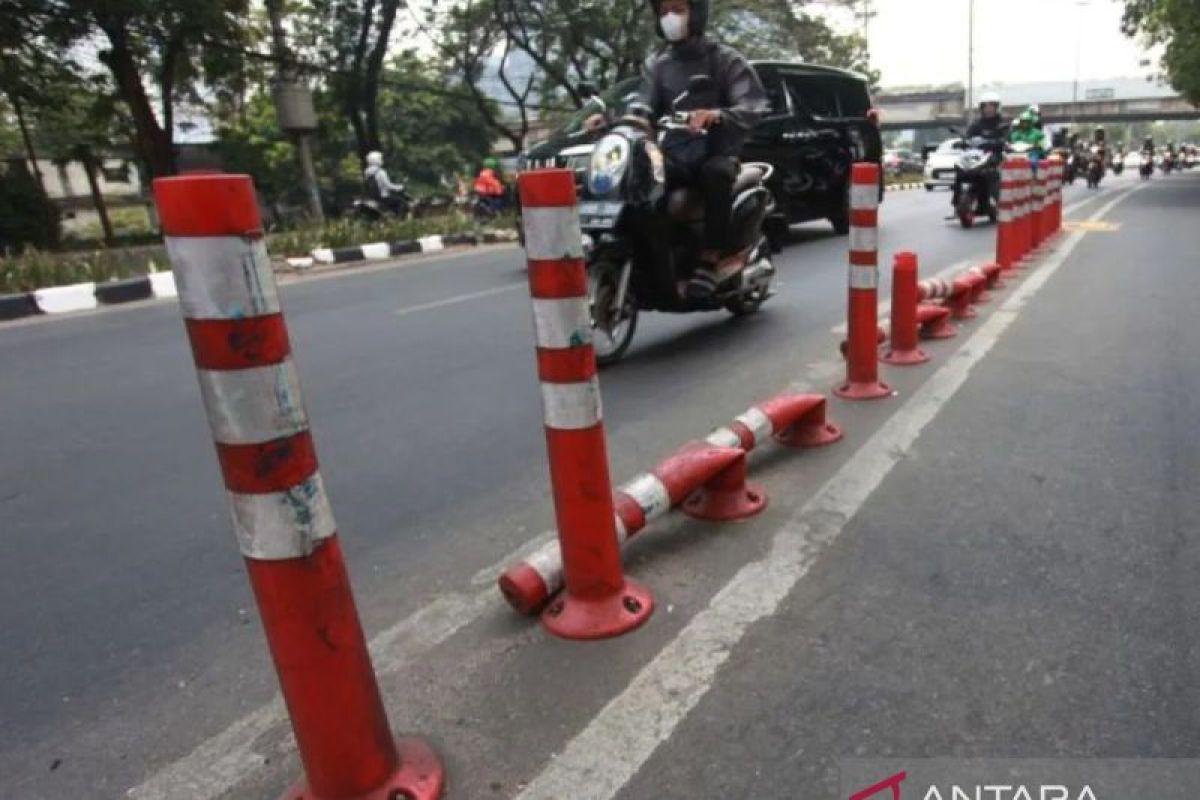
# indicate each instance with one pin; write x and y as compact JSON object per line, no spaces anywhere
{"x":991,"y":126}
{"x":379,"y":187}
{"x":488,"y":186}
{"x":740,"y":100}
{"x":1027,"y":132}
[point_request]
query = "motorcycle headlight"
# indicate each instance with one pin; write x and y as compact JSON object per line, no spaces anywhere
{"x":609,"y":161}
{"x":972,"y":160}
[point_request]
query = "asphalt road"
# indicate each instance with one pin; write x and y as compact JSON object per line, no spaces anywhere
{"x":131,"y":637}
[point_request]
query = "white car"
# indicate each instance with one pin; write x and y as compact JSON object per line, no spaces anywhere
{"x":939,"y":169}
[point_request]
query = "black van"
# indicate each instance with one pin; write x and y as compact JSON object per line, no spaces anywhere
{"x":819,"y":121}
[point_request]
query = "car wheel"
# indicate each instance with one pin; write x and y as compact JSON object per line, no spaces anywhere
{"x":929,"y":187}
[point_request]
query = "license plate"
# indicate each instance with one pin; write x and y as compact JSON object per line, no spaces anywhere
{"x":598,"y":215}
{"x":599,"y":208}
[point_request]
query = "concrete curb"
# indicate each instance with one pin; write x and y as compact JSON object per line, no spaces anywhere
{"x":377,"y":251}
{"x":86,"y":296}
{"x":906,"y":187}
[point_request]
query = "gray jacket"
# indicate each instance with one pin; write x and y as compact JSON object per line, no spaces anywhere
{"x":741,"y":99}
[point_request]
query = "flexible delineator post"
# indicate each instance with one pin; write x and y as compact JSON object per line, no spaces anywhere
{"x":281,"y":514}
{"x":862,"y":354}
{"x":1056,"y":193}
{"x":1023,"y":212}
{"x":1007,"y":234}
{"x":905,"y":348}
{"x":599,"y":600}
{"x":1039,"y":207}
{"x":795,"y":420}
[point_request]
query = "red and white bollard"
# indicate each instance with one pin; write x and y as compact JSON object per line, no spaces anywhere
{"x":1056,"y":183}
{"x":862,"y":355}
{"x":1024,"y":208}
{"x":1039,"y":207}
{"x":281,"y":515}
{"x":905,"y":348}
{"x":1008,"y":236}
{"x":794,"y":420}
{"x":599,"y":600}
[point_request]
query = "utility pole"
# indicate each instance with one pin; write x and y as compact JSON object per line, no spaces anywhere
{"x":294,"y":106}
{"x":1079,"y":4}
{"x":970,"y":99}
{"x":867,"y":14}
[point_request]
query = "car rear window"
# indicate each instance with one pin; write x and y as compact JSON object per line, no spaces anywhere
{"x":827,"y":96}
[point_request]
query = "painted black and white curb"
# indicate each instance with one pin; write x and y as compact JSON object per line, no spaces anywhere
{"x":905,"y":187}
{"x":86,"y":296}
{"x":380,"y":250}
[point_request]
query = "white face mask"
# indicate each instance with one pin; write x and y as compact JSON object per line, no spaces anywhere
{"x":675,"y":26}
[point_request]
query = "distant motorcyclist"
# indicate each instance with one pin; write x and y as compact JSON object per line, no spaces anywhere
{"x":1027,"y":132}
{"x":379,"y":186}
{"x":488,"y":186}
{"x":736,"y":107}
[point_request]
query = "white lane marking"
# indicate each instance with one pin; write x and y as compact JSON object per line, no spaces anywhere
{"x":605,"y":755}
{"x":462,"y":298}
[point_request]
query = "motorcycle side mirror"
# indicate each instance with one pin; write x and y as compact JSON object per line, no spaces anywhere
{"x":587,"y":90}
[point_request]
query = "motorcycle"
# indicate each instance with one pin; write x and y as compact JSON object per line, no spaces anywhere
{"x":1118,"y":162}
{"x":1095,"y":169}
{"x":1167,"y":164}
{"x":641,"y":242}
{"x":976,"y":181}
{"x":1076,"y":167}
{"x":1146,"y":167}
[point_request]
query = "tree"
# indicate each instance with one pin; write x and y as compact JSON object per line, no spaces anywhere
{"x":606,"y":41}
{"x":1175,"y":24}
{"x":175,"y":42}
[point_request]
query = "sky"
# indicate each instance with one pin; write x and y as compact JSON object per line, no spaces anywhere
{"x":918,"y":42}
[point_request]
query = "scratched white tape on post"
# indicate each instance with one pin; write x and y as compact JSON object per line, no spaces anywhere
{"x":562,"y":322}
{"x":223,"y":277}
{"x":283,"y":525}
{"x":250,"y":406}
{"x":864,"y":197}
{"x":863,"y":277}
{"x":649,"y":493}
{"x":571,"y":406}
{"x":864,"y":239}
{"x":552,"y":233}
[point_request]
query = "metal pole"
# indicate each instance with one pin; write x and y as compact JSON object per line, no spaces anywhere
{"x":970,"y":59}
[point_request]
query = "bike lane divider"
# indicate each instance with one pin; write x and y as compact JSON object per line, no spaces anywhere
{"x":602,"y":758}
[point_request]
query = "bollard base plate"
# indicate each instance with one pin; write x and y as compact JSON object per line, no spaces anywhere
{"x":726,"y":505}
{"x":812,"y":434}
{"x":863,"y":391}
{"x":419,"y":776}
{"x":905,"y":358}
{"x":574,"y":617}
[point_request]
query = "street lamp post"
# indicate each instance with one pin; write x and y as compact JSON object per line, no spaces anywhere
{"x":970,"y":104}
{"x":1078,"y":50}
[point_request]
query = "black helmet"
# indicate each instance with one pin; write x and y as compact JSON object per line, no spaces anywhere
{"x":697,"y":19}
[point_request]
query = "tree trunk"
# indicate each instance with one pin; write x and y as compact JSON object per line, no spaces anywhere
{"x":28,"y":140}
{"x":153,"y":143}
{"x":370,"y":100}
{"x":89,"y":168}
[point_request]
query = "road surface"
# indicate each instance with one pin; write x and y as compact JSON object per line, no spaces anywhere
{"x":1011,"y":577}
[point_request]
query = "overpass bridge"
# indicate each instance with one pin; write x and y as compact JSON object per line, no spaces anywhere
{"x":1116,"y":100}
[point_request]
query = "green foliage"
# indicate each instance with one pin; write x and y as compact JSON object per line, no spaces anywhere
{"x":300,"y":241}
{"x":1175,"y":24}
{"x":27,"y":218}
{"x":37,"y":269}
